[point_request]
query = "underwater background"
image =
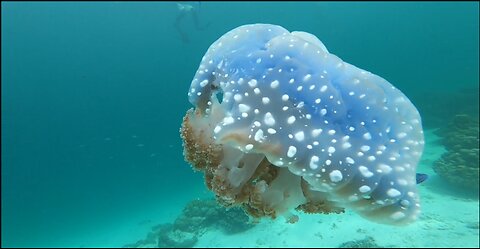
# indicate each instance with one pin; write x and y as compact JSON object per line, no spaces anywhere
{"x":93,"y":96}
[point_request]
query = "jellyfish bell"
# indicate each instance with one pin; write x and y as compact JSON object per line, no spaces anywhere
{"x":298,"y":128}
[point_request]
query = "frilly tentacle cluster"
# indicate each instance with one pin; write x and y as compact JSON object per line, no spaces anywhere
{"x":205,"y":155}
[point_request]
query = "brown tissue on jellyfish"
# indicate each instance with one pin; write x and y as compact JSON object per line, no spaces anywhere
{"x":298,"y":128}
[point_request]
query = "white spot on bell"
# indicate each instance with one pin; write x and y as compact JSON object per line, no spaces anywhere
{"x":393,"y":192}
{"x":268,"y":119}
{"x":313,"y":162}
{"x":336,"y":176}
{"x":203,"y":83}
{"x":364,"y":189}
{"x":292,"y":150}
{"x":384,"y":168}
{"x":331,"y":149}
{"x":349,"y":160}
{"x":243,"y":108}
{"x":274,"y":84}
{"x":299,"y":136}
{"x":365,"y":148}
{"x":265,"y":100}
{"x":316,"y":132}
{"x":367,"y":136}
{"x":228,"y":120}
{"x":271,"y":131}
{"x":259,"y":135}
{"x":237,"y":97}
{"x":365,"y":172}
{"x":291,"y":120}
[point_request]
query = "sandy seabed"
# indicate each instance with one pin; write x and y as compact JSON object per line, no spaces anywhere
{"x":449,"y":218}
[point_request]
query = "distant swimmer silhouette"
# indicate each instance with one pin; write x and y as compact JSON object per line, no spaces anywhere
{"x":184,"y":10}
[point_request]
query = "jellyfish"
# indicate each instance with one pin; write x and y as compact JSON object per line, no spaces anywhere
{"x":281,"y":124}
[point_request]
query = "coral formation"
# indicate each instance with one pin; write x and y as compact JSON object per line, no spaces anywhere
{"x":459,"y":165}
{"x":197,"y":217}
{"x":176,"y":239}
{"x":367,"y":242}
{"x":281,"y":124}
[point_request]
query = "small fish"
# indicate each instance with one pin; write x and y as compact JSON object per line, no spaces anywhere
{"x":421,"y":177}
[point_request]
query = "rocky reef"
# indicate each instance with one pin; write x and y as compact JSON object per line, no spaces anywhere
{"x":459,"y":165}
{"x":197,"y":217}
